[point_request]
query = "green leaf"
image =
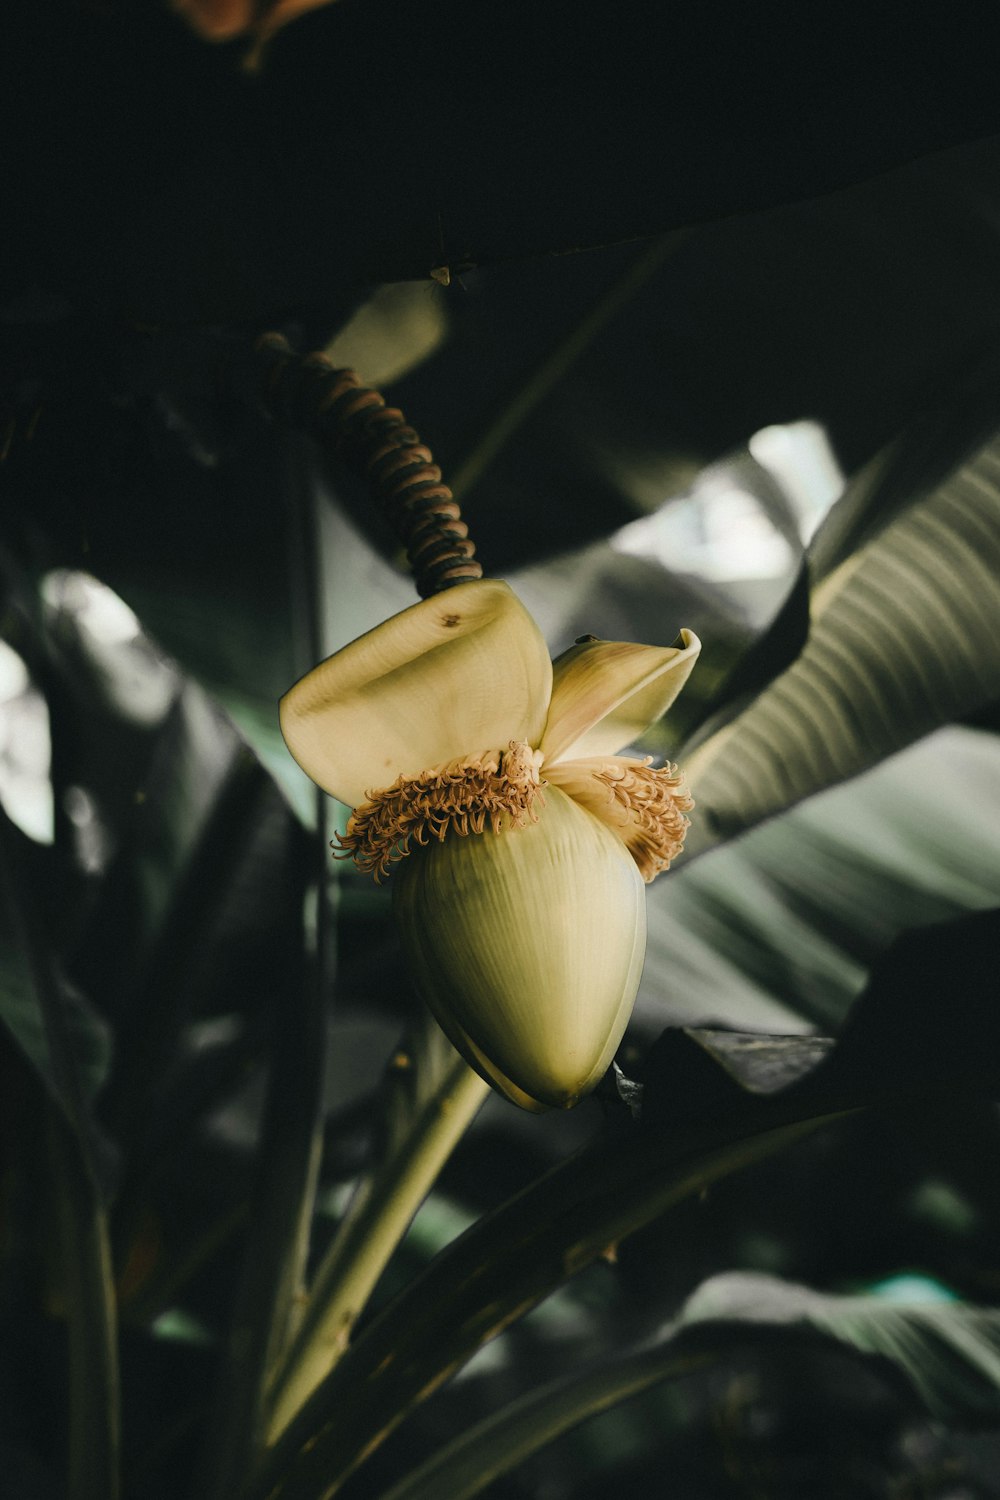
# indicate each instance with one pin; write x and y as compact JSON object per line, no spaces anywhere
{"x":38,"y":1009}
{"x":54,"y":1027}
{"x":905,"y":637}
{"x":780,"y":927}
{"x":501,"y":1268}
{"x":937,"y":441}
{"x":711,"y":1101}
{"x":942,"y":435}
{"x":948,"y":1353}
{"x":277,"y":1241}
{"x":501,"y":1441}
{"x":926,"y":1025}
{"x":189,"y":929}
{"x":21,"y":1014}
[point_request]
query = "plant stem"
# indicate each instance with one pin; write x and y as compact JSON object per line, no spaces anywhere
{"x":497,"y":1271}
{"x":380,"y":1212}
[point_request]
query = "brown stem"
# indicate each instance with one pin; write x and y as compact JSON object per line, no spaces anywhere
{"x":353,"y":422}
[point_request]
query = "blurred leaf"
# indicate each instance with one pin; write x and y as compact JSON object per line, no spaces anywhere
{"x":692,"y":1073}
{"x":492,"y":1447}
{"x":780,"y":927}
{"x":496,"y":1272}
{"x":201,"y":904}
{"x":182,"y":506}
{"x":945,"y":433}
{"x":37,"y":1012}
{"x":948,"y":1353}
{"x":558,"y":359}
{"x":186,"y":920}
{"x":276,"y":1248}
{"x":927,"y":1021}
{"x":938,"y":438}
{"x":401,"y":325}
{"x":22,"y":1015}
{"x":905,"y":637}
{"x":51,"y":1022}
{"x":926,"y":1024}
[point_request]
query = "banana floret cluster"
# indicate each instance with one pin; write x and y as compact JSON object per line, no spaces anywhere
{"x":490,"y":776}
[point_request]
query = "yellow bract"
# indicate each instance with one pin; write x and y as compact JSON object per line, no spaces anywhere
{"x":457,"y":675}
{"x":528,"y":949}
{"x":605,"y":694}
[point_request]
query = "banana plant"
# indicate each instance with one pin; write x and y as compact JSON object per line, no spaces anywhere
{"x":266,"y":1189}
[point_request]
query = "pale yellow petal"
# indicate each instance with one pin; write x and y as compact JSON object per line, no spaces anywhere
{"x":460,"y":674}
{"x":606,"y":693}
{"x":643,"y":804}
{"x":527,"y":945}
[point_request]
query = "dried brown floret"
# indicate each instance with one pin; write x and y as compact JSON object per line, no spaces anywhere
{"x":497,"y":790}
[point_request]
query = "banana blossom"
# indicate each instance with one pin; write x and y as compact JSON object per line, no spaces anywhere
{"x":522,"y":839}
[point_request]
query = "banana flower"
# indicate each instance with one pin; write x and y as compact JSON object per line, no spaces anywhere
{"x":522,"y":839}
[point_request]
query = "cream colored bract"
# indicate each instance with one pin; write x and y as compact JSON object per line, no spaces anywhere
{"x":521,"y":914}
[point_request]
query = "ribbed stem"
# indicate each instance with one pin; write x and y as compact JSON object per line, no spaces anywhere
{"x":353,"y":424}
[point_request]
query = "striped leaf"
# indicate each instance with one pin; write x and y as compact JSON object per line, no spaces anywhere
{"x":905,"y":637}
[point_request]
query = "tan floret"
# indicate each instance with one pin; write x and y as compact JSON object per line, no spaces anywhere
{"x":657,"y":800}
{"x":645,"y":805}
{"x":497,"y":790}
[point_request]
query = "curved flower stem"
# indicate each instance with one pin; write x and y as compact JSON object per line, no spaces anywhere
{"x":353,"y":424}
{"x":430,"y":1096}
